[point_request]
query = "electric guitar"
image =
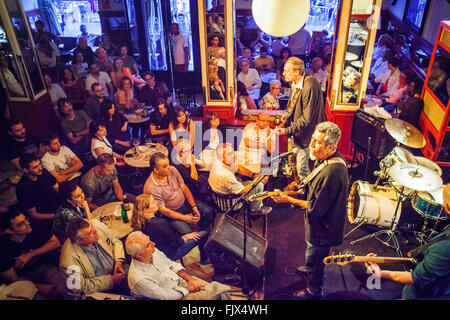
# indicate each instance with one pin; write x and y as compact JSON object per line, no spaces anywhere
{"x":343,"y":259}
{"x":265,"y":194}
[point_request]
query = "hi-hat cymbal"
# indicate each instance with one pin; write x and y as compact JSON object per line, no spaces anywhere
{"x":415,"y":177}
{"x":405,"y":133}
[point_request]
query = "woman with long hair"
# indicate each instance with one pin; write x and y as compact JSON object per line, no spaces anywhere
{"x":181,"y":127}
{"x":116,"y":127}
{"x":118,"y":72}
{"x":166,"y":239}
{"x":124,"y":97}
{"x":244,"y":101}
{"x":73,"y":87}
{"x":79,"y":66}
{"x":72,"y":205}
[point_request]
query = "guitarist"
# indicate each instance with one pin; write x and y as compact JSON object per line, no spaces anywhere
{"x":431,"y":276}
{"x":325,"y":204}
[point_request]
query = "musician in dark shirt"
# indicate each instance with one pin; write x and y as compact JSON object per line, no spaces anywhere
{"x":410,"y":105}
{"x":325,"y":204}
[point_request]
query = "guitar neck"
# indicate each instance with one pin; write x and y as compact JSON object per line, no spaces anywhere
{"x":383,"y":259}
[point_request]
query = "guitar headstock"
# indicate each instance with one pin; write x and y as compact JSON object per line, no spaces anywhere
{"x":340,"y":259}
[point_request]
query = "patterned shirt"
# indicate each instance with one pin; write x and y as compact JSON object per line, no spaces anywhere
{"x":269,"y":102}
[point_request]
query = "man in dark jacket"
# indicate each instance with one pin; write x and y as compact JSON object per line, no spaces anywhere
{"x":305,"y":110}
{"x":325,"y":204}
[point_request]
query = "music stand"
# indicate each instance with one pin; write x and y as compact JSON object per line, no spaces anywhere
{"x":391,"y":233}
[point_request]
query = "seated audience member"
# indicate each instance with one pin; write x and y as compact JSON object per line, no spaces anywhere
{"x":55,"y":91}
{"x":153,"y":275}
{"x":95,"y":103}
{"x":380,"y":68}
{"x":410,"y":105}
{"x":86,"y":51}
{"x":72,"y":205}
{"x":124,"y":98}
{"x":48,"y":52}
{"x":270,"y":99}
{"x":73,"y":87}
{"x":110,"y":48}
{"x":128,"y":61}
{"x":216,"y":70}
{"x":264,"y":63}
{"x":95,"y":75}
{"x":213,"y":49}
{"x":79,"y":66}
{"x":100,"y":184}
{"x":390,"y":81}
{"x":216,"y":87}
{"x":222,"y":59}
{"x":437,"y":74}
{"x":276,"y":47}
{"x":181,"y":127}
{"x":37,"y":190}
{"x":152,"y":91}
{"x":222,"y":179}
{"x":250,"y":78}
{"x":285,"y":54}
{"x":246,"y":54}
{"x":118,"y":72}
{"x":42,"y":34}
{"x":383,"y":43}
{"x":257,"y":140}
{"x":259,"y":42}
{"x":14,"y":87}
{"x":188,"y":167}
{"x":244,"y":101}
{"x":19,"y":142}
{"x":98,"y":255}
{"x":27,"y":254}
{"x":212,"y":137}
{"x":160,"y":120}
{"x":393,"y":96}
{"x":91,"y":38}
{"x":104,"y":62}
{"x":116,"y":128}
{"x":75,"y":126}
{"x":175,"y":200}
{"x":59,"y":160}
{"x":166,"y":239}
{"x":99,"y":142}
{"x":317,"y":72}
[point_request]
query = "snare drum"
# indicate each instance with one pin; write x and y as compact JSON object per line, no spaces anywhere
{"x":422,"y":161}
{"x":423,"y":203}
{"x":375,"y":207}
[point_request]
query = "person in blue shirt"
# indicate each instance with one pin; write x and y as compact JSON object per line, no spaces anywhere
{"x":431,"y":277}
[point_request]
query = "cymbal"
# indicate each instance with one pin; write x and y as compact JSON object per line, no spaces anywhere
{"x":405,"y":133}
{"x":415,"y":177}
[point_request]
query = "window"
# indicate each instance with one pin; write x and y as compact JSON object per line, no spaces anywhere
{"x":415,"y":14}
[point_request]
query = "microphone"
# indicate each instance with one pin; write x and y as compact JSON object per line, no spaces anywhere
{"x":293,"y":151}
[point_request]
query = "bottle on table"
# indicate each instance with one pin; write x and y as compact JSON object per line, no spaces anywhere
{"x":124,"y":214}
{"x":126,"y":203}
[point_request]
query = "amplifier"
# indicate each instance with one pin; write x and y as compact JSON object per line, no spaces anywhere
{"x":364,"y":126}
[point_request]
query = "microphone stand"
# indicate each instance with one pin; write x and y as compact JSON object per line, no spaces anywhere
{"x":245,"y":202}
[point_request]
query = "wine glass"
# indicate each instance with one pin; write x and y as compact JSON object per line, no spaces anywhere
{"x":148,"y":142}
{"x":136,"y":143}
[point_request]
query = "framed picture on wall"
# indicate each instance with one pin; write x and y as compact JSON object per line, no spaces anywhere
{"x":416,"y":13}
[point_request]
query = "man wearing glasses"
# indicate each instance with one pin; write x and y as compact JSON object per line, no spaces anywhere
{"x":152,"y":91}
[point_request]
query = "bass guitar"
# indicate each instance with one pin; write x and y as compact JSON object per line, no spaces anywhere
{"x":343,"y":259}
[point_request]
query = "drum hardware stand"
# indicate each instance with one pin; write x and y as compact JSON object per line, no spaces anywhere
{"x":422,"y":236}
{"x":390,"y":233}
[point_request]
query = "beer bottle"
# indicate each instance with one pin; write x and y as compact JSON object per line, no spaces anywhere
{"x":277,"y":118}
{"x":126,"y":203}
{"x":124,"y":214}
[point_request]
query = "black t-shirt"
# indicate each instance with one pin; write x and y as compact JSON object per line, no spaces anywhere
{"x":39,"y":193}
{"x":10,"y":249}
{"x":14,"y":149}
{"x":163,"y":235}
{"x":160,"y":122}
{"x":150,"y":96}
{"x":114,"y":128}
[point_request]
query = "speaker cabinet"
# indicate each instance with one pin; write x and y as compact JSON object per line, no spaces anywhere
{"x":365,"y":126}
{"x":225,"y":246}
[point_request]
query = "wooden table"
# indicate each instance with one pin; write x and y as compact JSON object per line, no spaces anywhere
{"x":9,"y":178}
{"x":107,"y":214}
{"x":142,"y":158}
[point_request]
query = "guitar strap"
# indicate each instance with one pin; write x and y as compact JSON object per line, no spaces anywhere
{"x":419,"y":250}
{"x":315,"y":172}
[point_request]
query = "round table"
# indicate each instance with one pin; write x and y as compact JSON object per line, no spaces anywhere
{"x":144,"y":153}
{"x":136,"y":119}
{"x":109,"y":214}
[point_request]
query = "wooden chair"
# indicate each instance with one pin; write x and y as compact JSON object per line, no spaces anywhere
{"x":223,"y":202}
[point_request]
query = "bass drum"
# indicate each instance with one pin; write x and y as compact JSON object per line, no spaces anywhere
{"x":427,"y":163}
{"x":375,"y":207}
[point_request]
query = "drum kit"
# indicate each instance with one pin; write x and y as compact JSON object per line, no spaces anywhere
{"x":406,"y":178}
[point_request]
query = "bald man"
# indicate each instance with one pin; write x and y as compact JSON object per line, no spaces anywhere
{"x":431,"y":276}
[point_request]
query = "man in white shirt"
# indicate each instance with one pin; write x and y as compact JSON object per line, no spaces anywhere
{"x":391,"y":80}
{"x":95,"y":75}
{"x":60,"y":161}
{"x":180,"y":50}
{"x":153,"y":275}
{"x":317,"y":72}
{"x":222,"y":179}
{"x":250,"y":78}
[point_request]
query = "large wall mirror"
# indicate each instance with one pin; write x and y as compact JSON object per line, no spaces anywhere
{"x":439,"y":81}
{"x":216,"y":50}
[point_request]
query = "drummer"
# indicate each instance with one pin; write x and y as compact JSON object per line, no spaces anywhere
{"x":431,"y":276}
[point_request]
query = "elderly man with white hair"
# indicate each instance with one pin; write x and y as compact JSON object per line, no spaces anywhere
{"x":270,"y":99}
{"x":153,"y":275}
{"x":317,"y":72}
